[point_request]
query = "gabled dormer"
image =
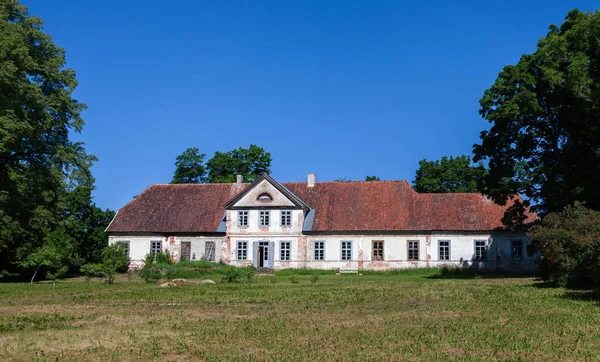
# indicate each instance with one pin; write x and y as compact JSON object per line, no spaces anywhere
{"x":266,"y":206}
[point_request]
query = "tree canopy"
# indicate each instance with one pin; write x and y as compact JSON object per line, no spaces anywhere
{"x":544,"y":140}
{"x":189,"y":167}
{"x":45,"y":178}
{"x":372,"y":178}
{"x":450,"y":174}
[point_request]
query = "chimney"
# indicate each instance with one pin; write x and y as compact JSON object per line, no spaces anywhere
{"x":239,"y":179}
{"x":312,"y":178}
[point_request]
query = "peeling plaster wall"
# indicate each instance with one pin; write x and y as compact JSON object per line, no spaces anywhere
{"x":139,"y":246}
{"x":462,"y":251}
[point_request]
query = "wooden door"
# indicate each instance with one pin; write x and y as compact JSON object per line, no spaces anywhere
{"x":186,"y":250}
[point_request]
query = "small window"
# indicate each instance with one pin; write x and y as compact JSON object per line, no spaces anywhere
{"x":242,"y":250}
{"x":480,"y":247}
{"x":346,"y":250}
{"x":243,"y":218}
{"x":265,"y":218}
{"x":155,"y":247}
{"x":413,"y":250}
{"x":209,"y":250}
{"x":319,"y":250}
{"x":377,"y":254}
{"x":444,"y":249}
{"x":516,"y":249}
{"x":285,"y":248}
{"x":264,"y":197}
{"x":126,"y":247}
{"x":286,"y":218}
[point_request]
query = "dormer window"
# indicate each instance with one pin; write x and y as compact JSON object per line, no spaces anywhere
{"x":264,"y":197}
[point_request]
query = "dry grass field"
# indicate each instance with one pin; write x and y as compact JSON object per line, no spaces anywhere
{"x":413,"y":315}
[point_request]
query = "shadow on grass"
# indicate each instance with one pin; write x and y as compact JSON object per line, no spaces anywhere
{"x":473,"y":273}
{"x":582,"y":294}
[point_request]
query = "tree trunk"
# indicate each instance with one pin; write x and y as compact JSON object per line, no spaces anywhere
{"x":34,"y":274}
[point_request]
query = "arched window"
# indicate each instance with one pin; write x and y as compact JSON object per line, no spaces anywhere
{"x":264,"y":197}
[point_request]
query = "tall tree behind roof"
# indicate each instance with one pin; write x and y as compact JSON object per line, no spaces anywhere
{"x":544,"y":140}
{"x":249,"y":162}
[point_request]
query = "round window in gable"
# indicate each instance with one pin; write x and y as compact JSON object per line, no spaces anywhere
{"x":264,"y":197}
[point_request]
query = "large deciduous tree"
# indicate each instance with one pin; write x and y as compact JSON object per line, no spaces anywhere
{"x":450,"y":174}
{"x":41,"y":169}
{"x":544,"y":140}
{"x":249,"y":162}
{"x":189,"y":167}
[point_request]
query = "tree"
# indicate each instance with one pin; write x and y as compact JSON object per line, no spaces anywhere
{"x":569,"y":242}
{"x":189,"y":167}
{"x":38,"y":161}
{"x":544,"y":140}
{"x":249,"y":162}
{"x":114,"y":259}
{"x":372,"y":178}
{"x":450,"y":174}
{"x":46,"y":256}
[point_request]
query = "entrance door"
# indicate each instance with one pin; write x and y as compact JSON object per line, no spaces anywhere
{"x":263,"y":254}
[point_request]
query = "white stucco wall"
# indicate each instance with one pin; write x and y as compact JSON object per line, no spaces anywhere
{"x":139,"y":246}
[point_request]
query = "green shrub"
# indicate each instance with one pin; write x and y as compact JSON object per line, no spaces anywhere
{"x":304,"y":271}
{"x":92,"y":271}
{"x":569,"y":244}
{"x":233,"y":274}
{"x":163,"y":258}
{"x":294,"y":279}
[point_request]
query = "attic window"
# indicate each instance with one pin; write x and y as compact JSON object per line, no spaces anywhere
{"x":264,"y":197}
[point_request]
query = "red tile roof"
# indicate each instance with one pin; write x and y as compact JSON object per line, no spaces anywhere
{"x":338,"y":206}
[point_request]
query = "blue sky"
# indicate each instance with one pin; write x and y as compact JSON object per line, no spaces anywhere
{"x":340,"y":88}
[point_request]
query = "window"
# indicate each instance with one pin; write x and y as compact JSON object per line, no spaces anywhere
{"x":346,"y":250}
{"x":516,"y":247}
{"x":377,"y":253}
{"x":265,"y":197}
{"x":155,"y":247}
{"x":125,"y":247}
{"x":243,"y":218}
{"x":444,"y":249}
{"x":413,"y":250}
{"x":480,"y":246}
{"x":285,"y":248}
{"x":265,"y":218}
{"x":242,"y":250}
{"x":319,"y":250}
{"x":209,"y":250}
{"x":286,"y":218}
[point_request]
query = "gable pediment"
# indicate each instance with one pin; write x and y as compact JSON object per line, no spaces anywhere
{"x":268,"y":193}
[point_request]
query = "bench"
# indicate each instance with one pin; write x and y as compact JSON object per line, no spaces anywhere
{"x":348,"y":271}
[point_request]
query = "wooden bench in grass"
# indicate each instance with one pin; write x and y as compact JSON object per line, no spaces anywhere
{"x":348,"y":271}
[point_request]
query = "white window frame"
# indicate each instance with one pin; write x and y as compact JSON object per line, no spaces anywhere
{"x":479,"y":255}
{"x":409,"y":249}
{"x":153,"y":247}
{"x":440,"y":246}
{"x":285,"y":251}
{"x":264,"y":218}
{"x":321,"y":249}
{"x":286,"y":218}
{"x":346,"y":247}
{"x":242,"y":250}
{"x":376,"y":257}
{"x":243,"y":218}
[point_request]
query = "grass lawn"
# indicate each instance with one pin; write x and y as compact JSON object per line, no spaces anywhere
{"x":404,"y":316}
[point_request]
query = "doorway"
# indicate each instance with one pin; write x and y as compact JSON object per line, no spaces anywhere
{"x":263,"y":254}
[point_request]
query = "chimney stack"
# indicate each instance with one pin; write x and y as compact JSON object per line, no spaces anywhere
{"x":312,"y":178}
{"x":239,"y":179}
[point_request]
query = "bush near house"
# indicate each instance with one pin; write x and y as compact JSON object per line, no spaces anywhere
{"x":161,"y":267}
{"x":569,"y":243}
